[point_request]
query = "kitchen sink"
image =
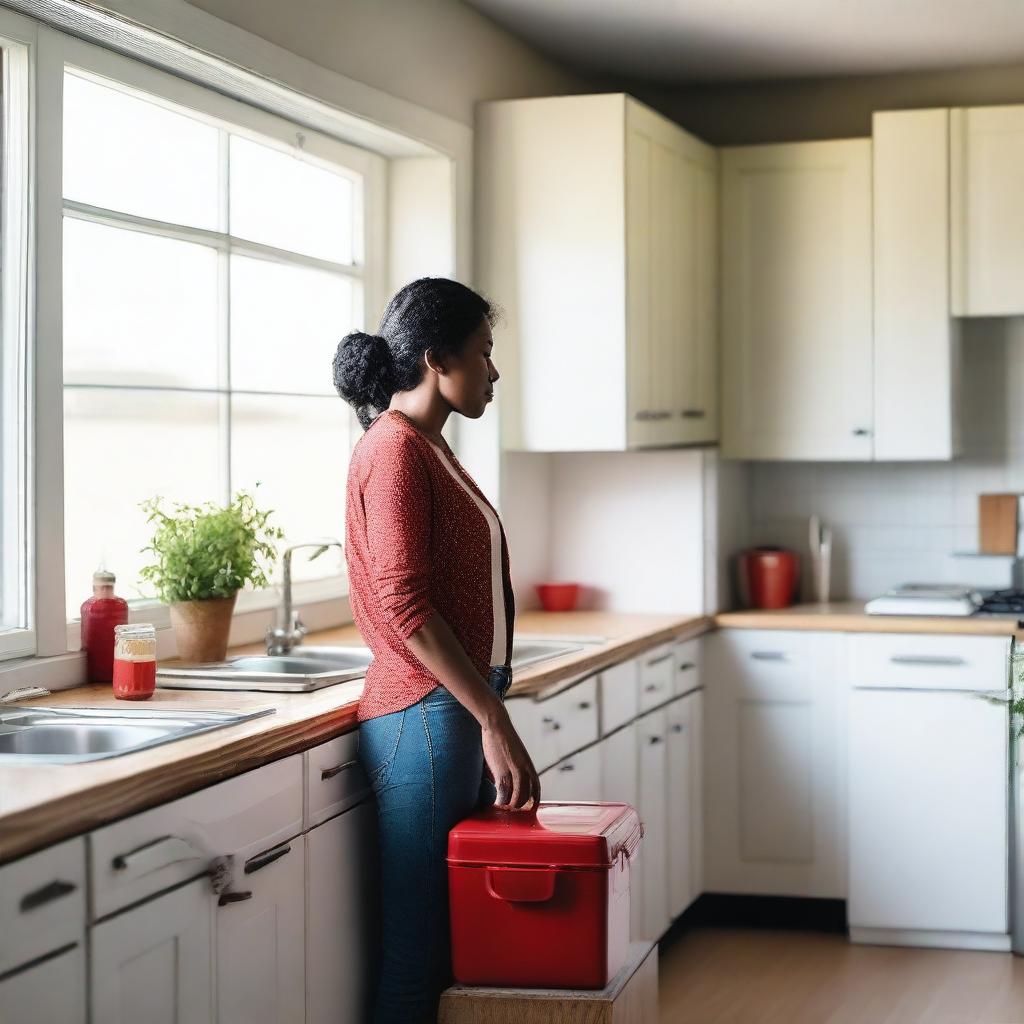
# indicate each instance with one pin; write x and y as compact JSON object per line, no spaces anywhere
{"x":310,"y":668}
{"x":300,"y":670}
{"x":528,"y":650}
{"x":42,"y":735}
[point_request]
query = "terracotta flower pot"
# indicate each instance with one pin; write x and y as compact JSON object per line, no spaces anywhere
{"x":201,"y":628}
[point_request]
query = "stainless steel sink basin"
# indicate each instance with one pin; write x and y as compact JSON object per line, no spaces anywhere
{"x":42,"y":735}
{"x":309,"y":668}
{"x":528,"y":650}
{"x":302,"y":669}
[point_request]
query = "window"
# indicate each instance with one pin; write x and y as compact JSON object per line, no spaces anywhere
{"x":210,"y":265}
{"x":17,"y":636}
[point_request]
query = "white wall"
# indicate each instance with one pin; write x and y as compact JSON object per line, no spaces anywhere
{"x":903,"y":522}
{"x":629,"y":526}
{"x":440,"y":54}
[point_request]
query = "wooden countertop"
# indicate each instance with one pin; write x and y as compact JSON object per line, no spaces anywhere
{"x":42,"y":804}
{"x":850,"y":617}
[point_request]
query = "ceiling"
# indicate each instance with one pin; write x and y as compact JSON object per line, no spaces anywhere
{"x":674,"y":41}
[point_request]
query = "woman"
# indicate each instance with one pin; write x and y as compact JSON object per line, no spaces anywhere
{"x":431,"y":594}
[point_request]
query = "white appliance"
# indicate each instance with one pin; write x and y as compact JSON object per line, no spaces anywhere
{"x":926,"y":599}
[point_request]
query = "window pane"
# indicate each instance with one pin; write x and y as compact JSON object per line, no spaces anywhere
{"x":138,"y":309}
{"x":286,"y":322}
{"x":121,"y":447}
{"x":298,"y":449}
{"x":12,"y":488}
{"x":311,"y":208}
{"x":129,"y":154}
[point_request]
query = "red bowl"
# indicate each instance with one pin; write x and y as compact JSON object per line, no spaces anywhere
{"x":558,"y":597}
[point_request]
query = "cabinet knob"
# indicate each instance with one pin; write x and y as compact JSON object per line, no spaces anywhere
{"x":861,"y":432}
{"x":685,"y":666}
{"x":583,"y":705}
{"x":567,"y":768}
{"x":677,"y":727}
{"x":550,"y":721}
{"x":653,"y":739}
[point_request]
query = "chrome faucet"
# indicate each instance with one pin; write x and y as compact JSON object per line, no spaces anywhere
{"x":289,"y":630}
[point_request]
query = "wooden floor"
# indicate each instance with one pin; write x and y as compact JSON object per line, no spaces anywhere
{"x":733,"y":976}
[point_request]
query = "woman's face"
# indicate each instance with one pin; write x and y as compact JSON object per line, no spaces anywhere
{"x":467,"y":382}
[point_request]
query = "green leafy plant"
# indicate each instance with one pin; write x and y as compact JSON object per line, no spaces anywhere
{"x":209,"y":551}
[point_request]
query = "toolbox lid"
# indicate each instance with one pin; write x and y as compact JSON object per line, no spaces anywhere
{"x":559,"y":834}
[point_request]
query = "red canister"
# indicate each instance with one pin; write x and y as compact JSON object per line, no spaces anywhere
{"x":542,"y":900}
{"x":768,"y":577}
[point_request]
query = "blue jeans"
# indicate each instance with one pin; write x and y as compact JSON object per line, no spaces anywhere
{"x":425,"y":764}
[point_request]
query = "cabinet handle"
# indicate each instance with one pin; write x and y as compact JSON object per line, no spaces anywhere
{"x":583,"y":705}
{"x":659,"y":659}
{"x":154,"y":855}
{"x":769,"y":656}
{"x":926,"y":659}
{"x":46,"y":894}
{"x":551,"y":722}
{"x":692,"y":414}
{"x":686,"y":666}
{"x":861,"y":432}
{"x":261,"y":860}
{"x":653,"y":739}
{"x":233,"y":897}
{"x":652,"y":687}
{"x":329,"y":773}
{"x":653,"y":414}
{"x":678,"y":727}
{"x":567,"y":767}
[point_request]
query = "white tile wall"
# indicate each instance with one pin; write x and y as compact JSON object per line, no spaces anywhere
{"x":903,"y":522}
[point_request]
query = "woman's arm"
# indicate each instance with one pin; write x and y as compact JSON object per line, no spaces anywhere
{"x":507,"y":759}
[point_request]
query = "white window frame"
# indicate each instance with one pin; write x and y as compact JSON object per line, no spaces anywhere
{"x":187,"y":43}
{"x":17,"y":39}
{"x":229,"y":115}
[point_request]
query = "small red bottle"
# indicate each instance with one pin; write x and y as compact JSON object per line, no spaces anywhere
{"x":100,"y":614}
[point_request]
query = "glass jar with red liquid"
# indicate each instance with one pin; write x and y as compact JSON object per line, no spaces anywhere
{"x":134,"y":661}
{"x":101,"y":614}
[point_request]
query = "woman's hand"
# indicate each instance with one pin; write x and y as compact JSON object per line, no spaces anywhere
{"x":509,"y":765}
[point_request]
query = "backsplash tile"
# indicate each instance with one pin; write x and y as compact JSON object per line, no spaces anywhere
{"x":904,"y":522}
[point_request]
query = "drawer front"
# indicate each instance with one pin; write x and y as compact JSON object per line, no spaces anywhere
{"x":575,"y":778}
{"x":335,"y":780}
{"x":567,"y":721}
{"x":142,"y":855}
{"x":762,"y":662}
{"x":42,"y":903}
{"x":656,"y":677}
{"x":686,"y":666}
{"x":919,"y":661}
{"x":620,"y":695}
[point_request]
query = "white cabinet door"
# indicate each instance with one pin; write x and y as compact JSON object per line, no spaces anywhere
{"x":916,"y":343}
{"x":342,"y":916}
{"x":774,"y":751}
{"x":154,"y":963}
{"x":671,"y":233}
{"x":679,"y":792}
{"x":657,"y":677}
{"x":620,"y":783}
{"x":988,"y":211}
{"x":796,"y":329}
{"x":49,"y":992}
{"x":928,"y":811}
{"x":261,"y":940}
{"x":577,"y":777}
{"x":651,"y":737}
{"x":619,"y":694}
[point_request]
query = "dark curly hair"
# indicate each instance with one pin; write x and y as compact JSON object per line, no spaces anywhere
{"x":431,"y":312}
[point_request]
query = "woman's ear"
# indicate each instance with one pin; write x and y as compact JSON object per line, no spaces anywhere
{"x":433,"y":363}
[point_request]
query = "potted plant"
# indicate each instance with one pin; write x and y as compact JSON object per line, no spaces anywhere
{"x":203,"y":556}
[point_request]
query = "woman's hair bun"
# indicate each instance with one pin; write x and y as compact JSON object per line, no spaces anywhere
{"x":364,"y":373}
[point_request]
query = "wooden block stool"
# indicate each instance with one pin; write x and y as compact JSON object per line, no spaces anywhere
{"x":630,"y":998}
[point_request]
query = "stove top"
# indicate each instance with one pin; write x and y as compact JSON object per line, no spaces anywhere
{"x":1002,"y":602}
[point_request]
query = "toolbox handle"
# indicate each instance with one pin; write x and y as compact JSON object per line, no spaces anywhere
{"x":521,"y":885}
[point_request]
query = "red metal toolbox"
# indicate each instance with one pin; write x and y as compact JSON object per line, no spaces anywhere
{"x":542,"y":900}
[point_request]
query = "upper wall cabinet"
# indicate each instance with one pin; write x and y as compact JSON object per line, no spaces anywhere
{"x":988,"y":210}
{"x":598,"y":239}
{"x":796,"y":312}
{"x":916,"y":350}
